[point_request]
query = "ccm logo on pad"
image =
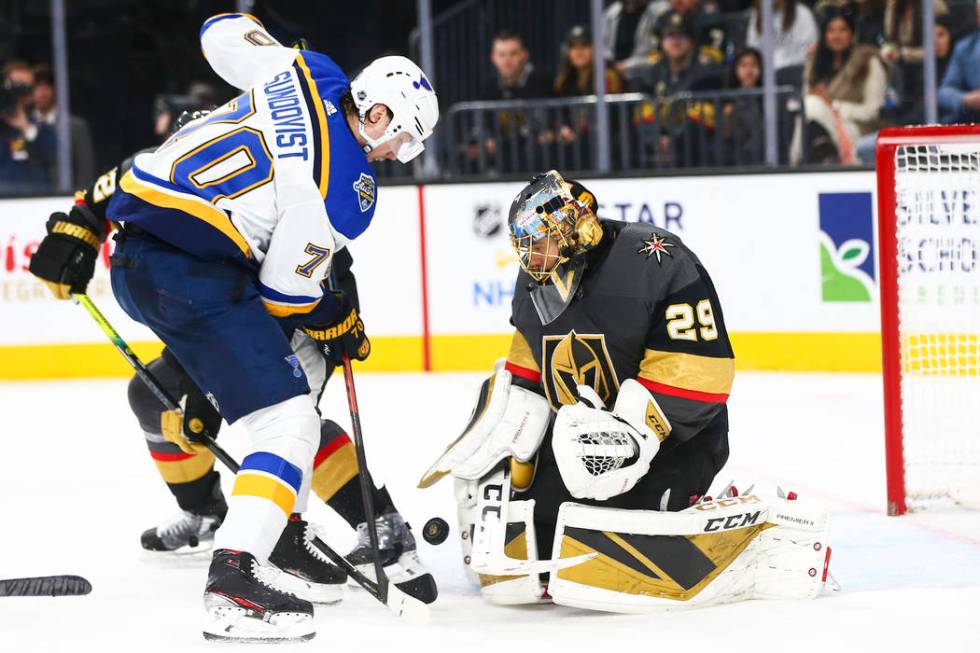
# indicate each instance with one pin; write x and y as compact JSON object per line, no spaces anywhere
{"x":732,"y":521}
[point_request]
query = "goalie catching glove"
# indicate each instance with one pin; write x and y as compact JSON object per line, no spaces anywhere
{"x":344,"y":335}
{"x":65,"y":259}
{"x":602,"y":454}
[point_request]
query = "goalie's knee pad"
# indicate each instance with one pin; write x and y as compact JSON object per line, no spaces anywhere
{"x":716,"y":552}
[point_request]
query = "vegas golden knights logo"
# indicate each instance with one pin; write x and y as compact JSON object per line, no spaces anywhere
{"x":574,"y":359}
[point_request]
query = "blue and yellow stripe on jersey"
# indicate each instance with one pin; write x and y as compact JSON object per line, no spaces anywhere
{"x":282,"y":305}
{"x":341,"y":171}
{"x":177,"y":216}
{"x":318,"y":123}
{"x":268,"y":476}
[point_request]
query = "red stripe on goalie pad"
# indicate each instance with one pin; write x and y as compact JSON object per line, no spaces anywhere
{"x":523,"y":372}
{"x":684,"y":393}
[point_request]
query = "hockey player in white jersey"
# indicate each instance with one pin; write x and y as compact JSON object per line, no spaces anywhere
{"x":227,"y":235}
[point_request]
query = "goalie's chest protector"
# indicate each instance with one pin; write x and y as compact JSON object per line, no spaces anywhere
{"x":601,"y":336}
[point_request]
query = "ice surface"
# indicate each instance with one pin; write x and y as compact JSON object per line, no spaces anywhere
{"x":78,"y":488}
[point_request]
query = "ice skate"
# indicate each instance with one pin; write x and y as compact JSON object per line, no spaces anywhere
{"x":399,"y":557}
{"x":242,"y":607}
{"x":187,"y":532}
{"x":301,"y":569}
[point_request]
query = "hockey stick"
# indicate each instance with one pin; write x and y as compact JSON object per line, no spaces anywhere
{"x":65,"y":585}
{"x":396,"y":600}
{"x":364,"y":477}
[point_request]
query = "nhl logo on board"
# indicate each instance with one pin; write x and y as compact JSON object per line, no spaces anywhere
{"x":656,"y":245}
{"x":487,"y":220}
{"x":364,"y":187}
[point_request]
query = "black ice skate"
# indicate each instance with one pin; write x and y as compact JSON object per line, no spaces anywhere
{"x":188,"y":532}
{"x":241,"y":607}
{"x":305,"y":571}
{"x":399,"y":558}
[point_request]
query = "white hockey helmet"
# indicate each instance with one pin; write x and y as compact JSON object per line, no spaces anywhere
{"x":400,"y":85}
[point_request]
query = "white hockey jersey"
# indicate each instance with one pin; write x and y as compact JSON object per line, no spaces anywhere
{"x":273,"y":179}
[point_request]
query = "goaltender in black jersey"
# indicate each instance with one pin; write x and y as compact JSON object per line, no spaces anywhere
{"x":597,"y":439}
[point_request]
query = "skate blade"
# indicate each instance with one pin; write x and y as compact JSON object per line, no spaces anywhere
{"x":319,"y":593}
{"x":234,"y":624}
{"x":204,"y":547}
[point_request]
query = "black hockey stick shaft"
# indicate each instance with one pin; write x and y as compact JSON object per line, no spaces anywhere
{"x":367,"y":484}
{"x":63,"y":585}
{"x":170,"y":403}
{"x":364,"y":476}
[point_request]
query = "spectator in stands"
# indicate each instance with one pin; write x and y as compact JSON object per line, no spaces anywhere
{"x":869,"y":21}
{"x":46,"y":111}
{"x":28,"y":148}
{"x":796,"y":32}
{"x":515,"y":78}
{"x":575,"y":79}
{"x":576,"y":66}
{"x":911,"y":110}
{"x":844,"y":95}
{"x":742,"y":121}
{"x":903,"y":43}
{"x":629,"y":35}
{"x":681,"y":123}
{"x":959,"y":93}
{"x":708,"y":26}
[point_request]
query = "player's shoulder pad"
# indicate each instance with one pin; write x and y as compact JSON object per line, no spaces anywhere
{"x":213,"y":20}
{"x":330,"y":81}
{"x":648,"y":252}
{"x":351,"y":196}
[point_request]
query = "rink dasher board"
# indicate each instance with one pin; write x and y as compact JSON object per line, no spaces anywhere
{"x":759,"y":236}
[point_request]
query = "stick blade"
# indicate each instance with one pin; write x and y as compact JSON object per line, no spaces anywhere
{"x":407,"y":607}
{"x":507,"y":566}
{"x":63,"y":585}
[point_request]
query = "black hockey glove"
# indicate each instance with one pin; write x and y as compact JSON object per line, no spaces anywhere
{"x":65,"y":260}
{"x":342,"y":336}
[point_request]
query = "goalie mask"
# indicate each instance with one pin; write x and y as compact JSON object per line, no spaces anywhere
{"x":552,"y":222}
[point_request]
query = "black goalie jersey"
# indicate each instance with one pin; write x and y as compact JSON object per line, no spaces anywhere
{"x":640,"y":305}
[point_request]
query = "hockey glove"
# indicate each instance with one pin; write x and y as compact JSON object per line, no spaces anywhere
{"x":342,"y":336}
{"x":600,"y":453}
{"x":187,"y":427}
{"x":65,"y":260}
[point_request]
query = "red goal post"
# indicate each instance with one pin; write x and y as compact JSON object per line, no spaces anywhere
{"x":928,"y":180}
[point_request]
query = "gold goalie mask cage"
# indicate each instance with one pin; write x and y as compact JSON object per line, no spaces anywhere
{"x":550,"y":222}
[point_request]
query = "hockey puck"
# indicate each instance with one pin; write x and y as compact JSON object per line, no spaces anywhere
{"x":436,"y":531}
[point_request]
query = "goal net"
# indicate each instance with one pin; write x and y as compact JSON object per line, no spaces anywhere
{"x":929,"y":239}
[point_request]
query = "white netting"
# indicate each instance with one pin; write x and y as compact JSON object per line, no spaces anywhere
{"x":937,"y":210}
{"x":605,"y":451}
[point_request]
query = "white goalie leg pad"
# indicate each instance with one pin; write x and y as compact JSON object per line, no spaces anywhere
{"x":722,"y":551}
{"x":466,"y":516}
{"x":602,"y":454}
{"x":507,"y":421}
{"x":519,"y":543}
